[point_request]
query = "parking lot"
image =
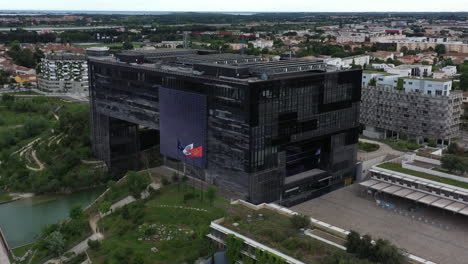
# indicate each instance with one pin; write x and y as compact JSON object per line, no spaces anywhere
{"x":423,"y":231}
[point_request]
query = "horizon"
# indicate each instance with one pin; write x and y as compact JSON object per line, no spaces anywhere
{"x":246,"y":6}
{"x":227,"y":11}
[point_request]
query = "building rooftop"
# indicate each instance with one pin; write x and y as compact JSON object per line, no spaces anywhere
{"x":233,"y":67}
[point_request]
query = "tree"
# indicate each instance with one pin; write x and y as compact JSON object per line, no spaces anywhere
{"x":105,"y":207}
{"x":365,"y":247}
{"x":404,"y":49}
{"x":137,"y":182}
{"x":76,"y":212}
{"x":453,"y":148}
{"x":299,"y":221}
{"x":211,"y":194}
{"x":440,"y":49}
{"x":127,"y":45}
{"x":353,"y":241}
{"x":454,"y":163}
{"x":55,"y":243}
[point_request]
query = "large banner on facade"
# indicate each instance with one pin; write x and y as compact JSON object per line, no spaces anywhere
{"x":183,"y":125}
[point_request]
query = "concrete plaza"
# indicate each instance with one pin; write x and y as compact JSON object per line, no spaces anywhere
{"x":425,"y":232}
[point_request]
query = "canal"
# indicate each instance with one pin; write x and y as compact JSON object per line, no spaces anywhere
{"x":23,"y":220}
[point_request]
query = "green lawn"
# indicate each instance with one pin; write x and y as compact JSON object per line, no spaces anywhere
{"x":398,"y":168}
{"x":367,"y":147}
{"x":178,"y":233}
{"x":25,"y":93}
{"x":20,"y":251}
{"x":397,"y":144}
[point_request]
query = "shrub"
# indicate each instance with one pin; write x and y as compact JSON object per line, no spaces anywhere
{"x":165,"y":181}
{"x":300,"y":221}
{"x":188,"y":196}
{"x":94,"y":244}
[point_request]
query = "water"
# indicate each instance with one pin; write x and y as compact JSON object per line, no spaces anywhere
{"x":23,"y":220}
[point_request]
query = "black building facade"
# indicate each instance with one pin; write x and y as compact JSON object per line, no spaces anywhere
{"x":283,"y":131}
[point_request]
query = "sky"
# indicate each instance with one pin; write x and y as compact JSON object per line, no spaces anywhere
{"x":242,"y":5}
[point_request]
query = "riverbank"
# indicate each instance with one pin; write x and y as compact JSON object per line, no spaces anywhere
{"x":12,"y":197}
{"x":25,"y":218}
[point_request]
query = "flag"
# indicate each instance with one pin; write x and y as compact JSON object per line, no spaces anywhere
{"x":179,"y":145}
{"x":196,"y":152}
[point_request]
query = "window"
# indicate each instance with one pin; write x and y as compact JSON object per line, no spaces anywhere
{"x":429,"y":92}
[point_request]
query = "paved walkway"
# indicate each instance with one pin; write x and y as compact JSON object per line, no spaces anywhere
{"x":4,"y":255}
{"x":78,"y":249}
{"x":384,"y":149}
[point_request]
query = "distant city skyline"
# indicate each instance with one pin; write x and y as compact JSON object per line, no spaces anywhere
{"x":241,"y":5}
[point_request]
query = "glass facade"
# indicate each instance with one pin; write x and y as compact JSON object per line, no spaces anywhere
{"x":263,"y":137}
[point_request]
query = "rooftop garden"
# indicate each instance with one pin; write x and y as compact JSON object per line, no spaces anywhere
{"x":398,"y":168}
{"x":286,"y":234}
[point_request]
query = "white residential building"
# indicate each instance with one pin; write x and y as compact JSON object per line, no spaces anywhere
{"x":450,"y":70}
{"x":64,"y":73}
{"x":382,"y":66}
{"x":361,"y":60}
{"x":262,"y":44}
{"x":411,"y":70}
{"x":351,"y":37}
{"x":427,"y":86}
{"x":382,"y":79}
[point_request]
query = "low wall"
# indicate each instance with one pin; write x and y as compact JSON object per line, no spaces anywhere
{"x":413,"y":157}
{"x":366,"y":165}
{"x":405,"y":165}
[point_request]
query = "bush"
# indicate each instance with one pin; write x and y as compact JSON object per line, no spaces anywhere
{"x":137,"y":182}
{"x":367,"y":147}
{"x":33,"y":127}
{"x":453,"y":148}
{"x":189,"y":196}
{"x":300,"y":221}
{"x":94,"y":244}
{"x":165,"y":181}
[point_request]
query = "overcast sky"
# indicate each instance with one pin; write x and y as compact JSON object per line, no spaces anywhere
{"x":241,"y":5}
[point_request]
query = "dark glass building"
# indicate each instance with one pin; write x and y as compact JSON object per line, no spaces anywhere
{"x":283,"y":131}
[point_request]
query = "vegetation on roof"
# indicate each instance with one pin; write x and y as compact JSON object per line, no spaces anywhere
{"x":398,"y":168}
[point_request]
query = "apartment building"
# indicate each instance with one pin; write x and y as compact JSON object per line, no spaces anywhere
{"x":420,"y":108}
{"x":64,"y":73}
{"x":411,"y":70}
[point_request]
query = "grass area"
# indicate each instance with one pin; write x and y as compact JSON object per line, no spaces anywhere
{"x":62,"y":145}
{"x":25,"y":93}
{"x":179,"y":234}
{"x":4,"y":197}
{"x":398,"y":168}
{"x":367,"y":147}
{"x":20,"y":251}
{"x":397,"y":144}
